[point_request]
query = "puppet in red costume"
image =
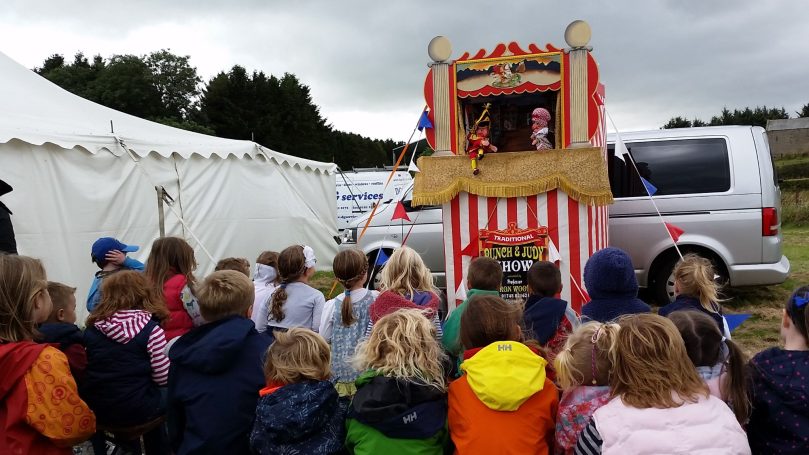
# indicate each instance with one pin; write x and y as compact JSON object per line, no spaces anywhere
{"x":478,"y":143}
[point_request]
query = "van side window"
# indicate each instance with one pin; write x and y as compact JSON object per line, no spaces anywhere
{"x":685,"y":166}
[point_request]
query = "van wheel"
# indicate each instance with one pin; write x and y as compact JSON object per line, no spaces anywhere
{"x":663,"y":281}
{"x":375,"y":275}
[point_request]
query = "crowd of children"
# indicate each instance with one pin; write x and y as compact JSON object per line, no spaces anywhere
{"x":269,"y":366}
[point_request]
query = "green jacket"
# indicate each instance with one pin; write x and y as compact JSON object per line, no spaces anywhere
{"x":452,"y":326}
{"x":412,"y":416}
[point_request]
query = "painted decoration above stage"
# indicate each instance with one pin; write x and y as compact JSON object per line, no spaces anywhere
{"x":507,"y":75}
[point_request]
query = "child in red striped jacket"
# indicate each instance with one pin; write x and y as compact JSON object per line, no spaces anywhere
{"x":127,"y":367}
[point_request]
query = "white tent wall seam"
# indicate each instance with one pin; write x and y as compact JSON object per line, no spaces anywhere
{"x":179,"y":216}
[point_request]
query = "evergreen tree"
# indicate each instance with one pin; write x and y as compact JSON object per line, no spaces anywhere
{"x":276,"y":112}
{"x":746,"y":116}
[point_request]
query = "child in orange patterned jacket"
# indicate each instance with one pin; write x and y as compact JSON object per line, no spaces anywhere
{"x":503,"y":403}
{"x":54,"y":418}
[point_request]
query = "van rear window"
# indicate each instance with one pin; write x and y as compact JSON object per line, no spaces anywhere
{"x":685,"y":166}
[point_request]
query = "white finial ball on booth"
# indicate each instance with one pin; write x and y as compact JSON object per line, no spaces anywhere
{"x":577,"y":34}
{"x":439,"y":49}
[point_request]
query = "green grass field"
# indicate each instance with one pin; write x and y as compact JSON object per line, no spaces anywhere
{"x":765,"y":303}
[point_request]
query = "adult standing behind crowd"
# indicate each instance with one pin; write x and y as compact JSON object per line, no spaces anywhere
{"x":8,"y":244}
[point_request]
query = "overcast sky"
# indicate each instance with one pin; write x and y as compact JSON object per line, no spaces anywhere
{"x":365,"y":61}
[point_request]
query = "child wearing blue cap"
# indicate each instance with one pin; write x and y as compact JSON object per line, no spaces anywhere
{"x":109,"y":255}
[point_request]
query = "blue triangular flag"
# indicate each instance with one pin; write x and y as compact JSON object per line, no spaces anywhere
{"x":424,"y":121}
{"x":381,"y":258}
{"x":735,"y":320}
{"x":651,"y":189}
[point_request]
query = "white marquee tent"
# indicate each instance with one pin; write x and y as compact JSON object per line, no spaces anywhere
{"x":81,"y":171}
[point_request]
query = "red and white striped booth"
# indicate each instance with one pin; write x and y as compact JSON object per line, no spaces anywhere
{"x":525,"y":204}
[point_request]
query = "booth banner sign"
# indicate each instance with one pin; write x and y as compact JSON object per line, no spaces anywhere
{"x":516,"y":250}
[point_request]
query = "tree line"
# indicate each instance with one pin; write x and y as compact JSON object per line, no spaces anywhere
{"x":276,"y":112}
{"x":757,"y":116}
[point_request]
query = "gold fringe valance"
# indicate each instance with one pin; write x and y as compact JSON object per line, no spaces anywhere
{"x":581,"y":173}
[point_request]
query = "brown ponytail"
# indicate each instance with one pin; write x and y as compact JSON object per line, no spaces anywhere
{"x":291,"y":266}
{"x":350,"y":267}
{"x":734,"y":387}
{"x":703,"y":343}
{"x":796,"y":310}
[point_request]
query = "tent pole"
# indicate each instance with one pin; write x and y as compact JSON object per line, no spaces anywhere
{"x":161,"y":215}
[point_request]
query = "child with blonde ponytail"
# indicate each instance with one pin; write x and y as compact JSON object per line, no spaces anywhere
{"x":294,"y":303}
{"x":346,"y":316}
{"x":696,"y":290}
{"x":583,"y":369}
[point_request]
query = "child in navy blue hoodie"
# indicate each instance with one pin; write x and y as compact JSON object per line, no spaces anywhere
{"x":779,"y":422}
{"x":216,"y":371}
{"x":548,"y":320}
{"x":61,"y":329}
{"x":299,"y":411}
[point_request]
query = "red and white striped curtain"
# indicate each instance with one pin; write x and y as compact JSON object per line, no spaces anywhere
{"x":575,"y":230}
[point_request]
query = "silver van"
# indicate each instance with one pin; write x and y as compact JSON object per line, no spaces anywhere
{"x":718,"y":184}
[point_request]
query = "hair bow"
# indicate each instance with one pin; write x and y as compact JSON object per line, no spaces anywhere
{"x":801,"y":301}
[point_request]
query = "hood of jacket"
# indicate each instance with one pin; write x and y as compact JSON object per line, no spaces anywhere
{"x":212,"y":347}
{"x":387,"y":302}
{"x":264,"y":274}
{"x":542,"y":316}
{"x":504,"y":374}
{"x":609,"y":274}
{"x":296,"y":411}
{"x":124,"y":325}
{"x":62,"y":333}
{"x":398,"y":408}
{"x":610,"y":309}
{"x":785,"y":375}
{"x":15,"y":360}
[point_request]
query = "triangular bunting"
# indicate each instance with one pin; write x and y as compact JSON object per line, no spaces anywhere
{"x":381,"y":258}
{"x":735,"y":320}
{"x":553,"y":253}
{"x":412,"y":167}
{"x":674,"y":231}
{"x":400,"y":213}
{"x":651,"y":189}
{"x":620,"y":149}
{"x":424,"y":121}
{"x":471,"y":250}
{"x":460,"y":293}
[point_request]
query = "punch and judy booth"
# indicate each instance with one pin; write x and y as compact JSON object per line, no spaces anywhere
{"x":520,"y":165}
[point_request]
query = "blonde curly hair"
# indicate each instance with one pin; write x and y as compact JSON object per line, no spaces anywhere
{"x":405,"y":273}
{"x":403,"y":345}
